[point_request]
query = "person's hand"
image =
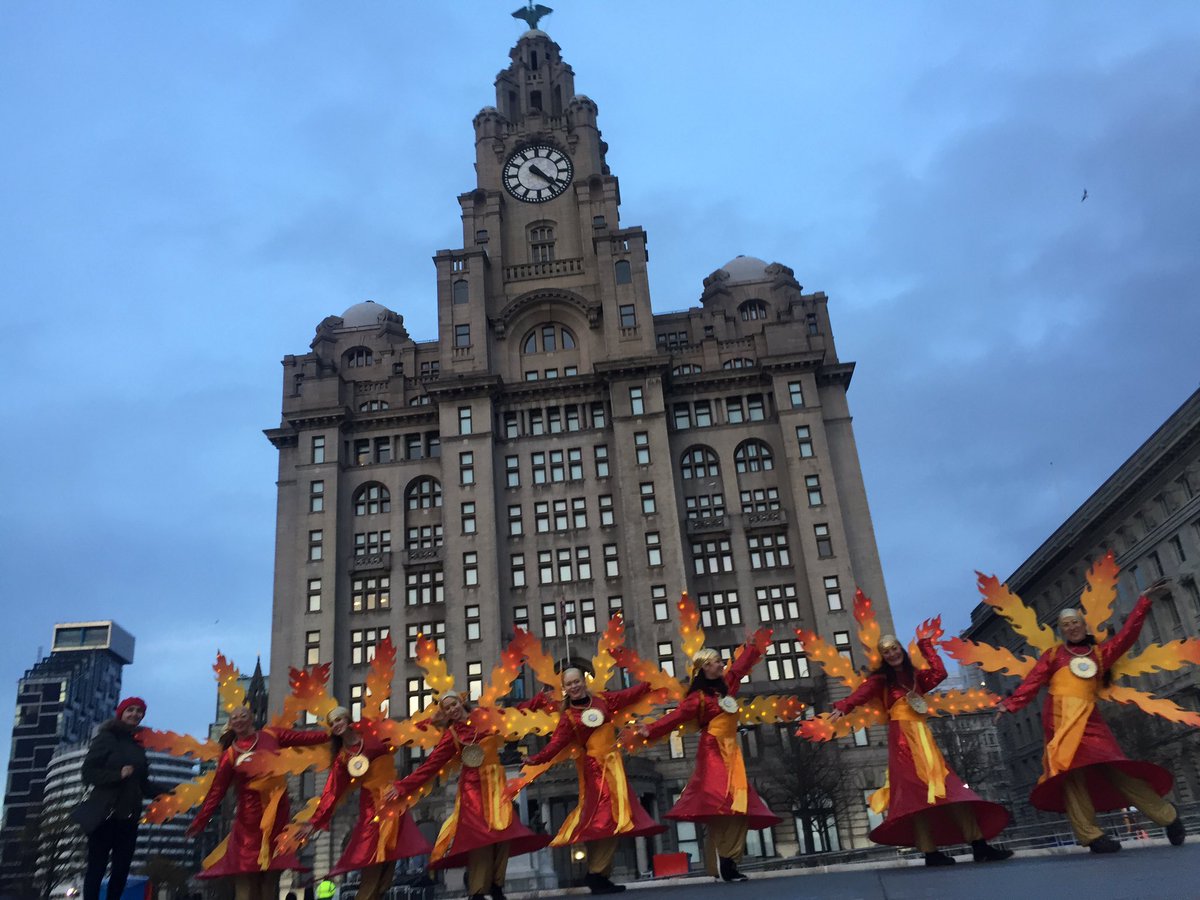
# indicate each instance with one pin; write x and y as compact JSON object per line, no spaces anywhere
{"x":930,"y":629}
{"x":304,"y":832}
{"x":126,"y":771}
{"x":835,"y":715}
{"x":643,"y":731}
{"x":391,"y":794}
{"x":1001,"y":709}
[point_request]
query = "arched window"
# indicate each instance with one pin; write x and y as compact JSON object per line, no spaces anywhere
{"x":624,"y":272}
{"x":752,"y":309}
{"x":359,"y":356}
{"x":738,"y":362}
{"x":541,"y":242}
{"x":753,"y":456}
{"x":699,"y":462}
{"x":547,"y":338}
{"x":461,"y":293}
{"x":686,"y":369}
{"x":372,"y":405}
{"x":424,"y":493}
{"x":372,"y":499}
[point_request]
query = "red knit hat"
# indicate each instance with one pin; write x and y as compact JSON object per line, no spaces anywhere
{"x":128,"y":702}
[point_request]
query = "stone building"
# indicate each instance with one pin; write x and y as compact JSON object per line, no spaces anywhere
{"x":1148,"y":514}
{"x":560,"y":445}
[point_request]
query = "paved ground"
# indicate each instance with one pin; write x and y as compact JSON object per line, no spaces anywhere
{"x":1154,"y":872}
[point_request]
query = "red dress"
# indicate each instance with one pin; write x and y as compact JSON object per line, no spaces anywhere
{"x":920,"y":782}
{"x":262,"y":808}
{"x":381,"y":834}
{"x":1077,"y":737}
{"x":607,"y":807}
{"x":718,"y":786}
{"x":481,"y":816}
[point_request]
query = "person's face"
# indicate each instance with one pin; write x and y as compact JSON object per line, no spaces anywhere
{"x":893,"y":655}
{"x":340,"y":725}
{"x":454,"y":709}
{"x":241,"y":722}
{"x":1073,"y":630}
{"x":574,"y":685}
{"x":132,"y":715}
{"x":713,"y":668}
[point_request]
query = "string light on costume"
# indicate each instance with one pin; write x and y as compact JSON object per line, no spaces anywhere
{"x":868,"y":627}
{"x":690,"y":633}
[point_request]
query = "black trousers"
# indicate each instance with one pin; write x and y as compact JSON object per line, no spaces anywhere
{"x":114,"y":838}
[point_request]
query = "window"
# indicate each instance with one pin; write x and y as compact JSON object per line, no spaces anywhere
{"x":579,"y":512}
{"x":430,"y":367}
{"x":515,"y":528}
{"x":623,"y":271}
{"x":464,"y":420}
{"x":372,"y":543}
{"x":316,"y":496}
{"x":612,"y":565}
{"x":804,"y":440}
{"x":312,"y":648}
{"x":841,"y":640}
{"x":372,"y":593}
{"x":653,"y":549}
{"x":637,"y":404}
{"x":666,"y":658}
{"x":424,"y":586}
{"x":461,"y":291}
{"x":719,"y":608}
{"x":658,"y":601}
{"x":812,"y":484}
{"x":516,"y":568}
{"x":572,"y":416}
{"x":318,"y":449}
{"x":777,"y":603}
{"x":647,"y":491}
{"x":423,"y":537}
{"x":510,"y":426}
{"x":704,"y":416}
{"x":541,"y":516}
{"x":538,"y":467}
{"x":738,"y":362}
{"x":314,"y":595}
{"x":466,"y":468}
{"x":786,"y":661}
{"x":314,"y":545}
{"x":1177,"y":546}
{"x":462,"y":335}
{"x":605,"y":502}
{"x":759,"y":500}
{"x":711,"y":557}
{"x":686,"y":369}
{"x":512,"y":472}
{"x":683,"y":416}
{"x":561,"y":519}
{"x":537,"y":422}
{"x":541,"y":237}
{"x":810,"y":320}
{"x":558,"y":471}
{"x":587,"y":609}
{"x":641,"y":447}
{"x":372,"y":499}
{"x":796,"y":394}
{"x":425,"y":493}
{"x":599,"y":418}
{"x":627,"y":316}
{"x":735,"y":411}
{"x":549,"y":620}
{"x":614,"y":606}
{"x":583,"y":563}
{"x":363,"y":642}
{"x":833,"y":593}
{"x":699,"y":462}
{"x":420,"y":695}
{"x":753,"y":456}
{"x":824,"y":542}
{"x":470,"y":561}
{"x":752,"y":310}
{"x":359,"y":356}
{"x":768,"y":551}
{"x":600,"y":453}
{"x":705,"y":506}
{"x":474,"y":680}
{"x":373,"y":405}
{"x":554,"y":418}
{"x":468,"y":518}
{"x":756,"y":408}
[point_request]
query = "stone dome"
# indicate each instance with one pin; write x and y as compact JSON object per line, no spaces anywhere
{"x":745,"y":268}
{"x":366,"y":313}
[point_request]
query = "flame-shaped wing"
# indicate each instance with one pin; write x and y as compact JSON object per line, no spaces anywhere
{"x":530,"y":774}
{"x":953,"y":703}
{"x":289,"y":840}
{"x":868,"y":628}
{"x":184,"y":797}
{"x":310,"y":693}
{"x":602,"y":662}
{"x":641,"y":670}
{"x":415,"y":731}
{"x":178,"y":744}
{"x":286,"y":761}
{"x":1148,"y":703}
{"x":641,"y":707}
{"x":539,"y":660}
{"x":503,"y":675}
{"x":929,"y":629}
{"x":822,"y":729}
{"x":229,"y":689}
{"x":379,"y":679}
{"x":1022,"y":619}
{"x":769,"y":710}
{"x":434,"y":666}
{"x":1158,"y":657}
{"x":1097,"y":598}
{"x":691,"y":635}
{"x":989,"y":658}
{"x":835,"y":665}
{"x":513,"y":724}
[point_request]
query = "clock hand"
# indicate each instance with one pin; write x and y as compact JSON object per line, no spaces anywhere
{"x":535,"y":170}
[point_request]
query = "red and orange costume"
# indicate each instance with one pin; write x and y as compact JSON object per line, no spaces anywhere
{"x":927,"y":803}
{"x":382,"y":833}
{"x":263,"y":808}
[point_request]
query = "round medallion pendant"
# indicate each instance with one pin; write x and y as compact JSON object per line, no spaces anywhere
{"x":592,"y":717}
{"x":243,"y":757}
{"x":918,"y":703}
{"x":472,"y":756}
{"x":1084,"y":667}
{"x":728,"y":704}
{"x":357,"y":765}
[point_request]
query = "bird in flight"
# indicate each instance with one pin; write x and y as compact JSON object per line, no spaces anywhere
{"x":1084,"y":197}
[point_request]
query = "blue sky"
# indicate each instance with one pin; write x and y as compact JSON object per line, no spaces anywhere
{"x":188,"y":189}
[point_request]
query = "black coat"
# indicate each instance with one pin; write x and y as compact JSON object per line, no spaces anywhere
{"x":112,"y":748}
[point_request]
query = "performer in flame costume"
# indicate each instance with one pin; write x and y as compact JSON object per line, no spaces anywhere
{"x":926,"y":803}
{"x":718,"y":794}
{"x":1083,"y":768}
{"x":587,"y":731}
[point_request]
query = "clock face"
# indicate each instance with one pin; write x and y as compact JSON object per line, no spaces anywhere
{"x":538,"y":173}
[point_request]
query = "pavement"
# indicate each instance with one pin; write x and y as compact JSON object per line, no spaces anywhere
{"x":1143,"y":870}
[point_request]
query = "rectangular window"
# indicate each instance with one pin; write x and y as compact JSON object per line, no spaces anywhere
{"x":372,"y":543}
{"x":683,"y":416}
{"x":412,"y":446}
{"x":422,"y":587}
{"x":648,"y":505}
{"x":735,"y":412}
{"x":719,"y":608}
{"x":627,"y":316}
{"x":314,"y":545}
{"x":314,"y":595}
{"x":549,"y":620}
{"x":804,"y":440}
{"x":795,"y":394}
{"x":653,"y":549}
{"x":512,"y":472}
{"x":712,"y":557}
{"x":612,"y":565}
{"x":471,"y":615}
{"x":420,"y":695}
{"x":812,"y":484}
{"x":768,"y":551}
{"x":363,"y":642}
{"x":600,"y":452}
{"x":833,"y":593}
{"x":1177,"y":546}
{"x":362,"y":451}
{"x":579,"y":512}
{"x":777,"y":603}
{"x":755,"y":408}
{"x":474,"y":680}
{"x":516,"y":568}
{"x":464,"y":420}
{"x":759,"y":500}
{"x":705,"y":506}
{"x":598,"y":417}
{"x":824,"y":541}
{"x":312,"y":648}
{"x":537,"y":422}
{"x":423,"y":537}
{"x":641,"y":446}
{"x":558,"y":471}
{"x":471,"y":569}
{"x":587,"y":609}
{"x":541,"y":516}
{"x":316,"y":496}
{"x":511,"y":428}
{"x":466,"y":468}
{"x":318,"y":449}
{"x":372,"y":593}
{"x":786,"y":661}
{"x":605,"y":502}
{"x":637,"y":405}
{"x":554,"y":419}
{"x":545,"y":567}
{"x":841,"y":640}
{"x":704,"y":416}
{"x":658,"y":602}
{"x":666,"y":658}
{"x":515,"y":528}
{"x":574,"y":464}
{"x":564,"y":565}
{"x":468,"y":518}
{"x":538,"y":463}
{"x":462,"y":335}
{"x":561,"y":519}
{"x":572,"y":416}
{"x":583,"y":563}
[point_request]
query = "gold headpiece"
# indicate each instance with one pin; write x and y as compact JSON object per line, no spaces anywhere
{"x":448,"y":694}
{"x":335,"y":712}
{"x":708,"y":654}
{"x":1070,"y":613}
{"x":888,"y":640}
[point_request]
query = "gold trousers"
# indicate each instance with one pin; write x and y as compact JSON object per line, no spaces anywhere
{"x":1082,"y":814}
{"x":256,"y":886}
{"x":374,"y":880}
{"x":964,"y":818}
{"x":486,"y":866}
{"x":724,"y":836}
{"x":600,"y":856}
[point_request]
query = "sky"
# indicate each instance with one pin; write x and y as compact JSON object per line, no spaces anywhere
{"x":187,"y":189}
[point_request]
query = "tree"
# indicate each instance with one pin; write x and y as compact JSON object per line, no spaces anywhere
{"x":810,"y":780}
{"x":163,"y":873}
{"x":53,"y":847}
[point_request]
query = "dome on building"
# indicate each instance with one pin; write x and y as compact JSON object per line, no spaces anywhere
{"x":366,"y":313}
{"x":745,"y":268}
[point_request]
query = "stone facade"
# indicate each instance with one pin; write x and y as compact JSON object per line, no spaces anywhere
{"x":559,"y":443}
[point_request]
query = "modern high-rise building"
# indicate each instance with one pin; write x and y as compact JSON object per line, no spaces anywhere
{"x":560,"y":444}
{"x":60,"y":701}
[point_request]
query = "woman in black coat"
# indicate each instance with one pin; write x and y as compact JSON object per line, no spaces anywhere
{"x":117,"y":770}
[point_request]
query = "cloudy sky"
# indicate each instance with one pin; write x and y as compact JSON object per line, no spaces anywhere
{"x":187,"y":189}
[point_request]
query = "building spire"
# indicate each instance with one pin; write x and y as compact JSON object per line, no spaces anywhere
{"x":532,"y":13}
